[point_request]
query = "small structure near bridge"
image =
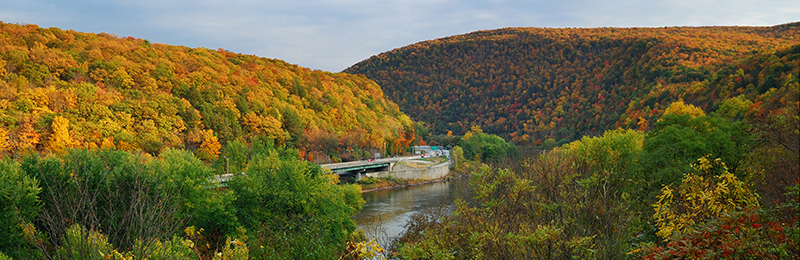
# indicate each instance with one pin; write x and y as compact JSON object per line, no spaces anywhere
{"x":425,"y":149}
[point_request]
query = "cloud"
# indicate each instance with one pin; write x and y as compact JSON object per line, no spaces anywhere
{"x":332,"y":35}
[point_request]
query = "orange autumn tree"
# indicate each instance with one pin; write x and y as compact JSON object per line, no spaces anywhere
{"x":27,"y":138}
{"x":403,"y":141}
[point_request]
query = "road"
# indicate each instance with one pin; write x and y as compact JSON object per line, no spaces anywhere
{"x":334,"y":166}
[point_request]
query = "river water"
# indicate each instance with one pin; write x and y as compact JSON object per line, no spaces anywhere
{"x":386,"y":211}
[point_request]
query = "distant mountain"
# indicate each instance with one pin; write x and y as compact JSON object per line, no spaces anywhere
{"x":533,"y":83}
{"x":61,"y":89}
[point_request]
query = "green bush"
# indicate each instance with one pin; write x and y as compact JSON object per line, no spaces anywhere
{"x":129,"y":197}
{"x":113,"y":190}
{"x":18,"y":204}
{"x":289,"y":208}
{"x":677,"y":140}
{"x":189,"y":181}
{"x":80,"y":243}
{"x":293,"y":210}
{"x":485,"y":147}
{"x":367,"y":181}
{"x":177,"y":248}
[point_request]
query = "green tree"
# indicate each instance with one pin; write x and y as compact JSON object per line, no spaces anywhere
{"x":485,"y":147}
{"x":189,"y":182}
{"x":19,"y":205}
{"x":128,"y":196}
{"x":293,"y":209}
{"x":235,"y":153}
{"x":611,"y":161}
{"x":677,"y":140}
{"x":734,"y":108}
{"x":458,"y":155}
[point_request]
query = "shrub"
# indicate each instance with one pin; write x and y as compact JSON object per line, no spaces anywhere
{"x":293,"y":210}
{"x":18,"y":205}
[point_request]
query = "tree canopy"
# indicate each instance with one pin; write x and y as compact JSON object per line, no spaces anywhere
{"x":61,"y":89}
{"x":534,"y":84}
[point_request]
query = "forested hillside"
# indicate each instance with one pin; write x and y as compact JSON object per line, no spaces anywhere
{"x":61,"y":89}
{"x":534,"y":84}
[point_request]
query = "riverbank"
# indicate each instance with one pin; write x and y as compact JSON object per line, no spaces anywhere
{"x":387,"y":183}
{"x":377,"y":184}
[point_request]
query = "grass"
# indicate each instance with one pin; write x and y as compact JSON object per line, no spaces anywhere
{"x":437,"y":160}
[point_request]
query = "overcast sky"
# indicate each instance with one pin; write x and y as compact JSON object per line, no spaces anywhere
{"x":332,"y":35}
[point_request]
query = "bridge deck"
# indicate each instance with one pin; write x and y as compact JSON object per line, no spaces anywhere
{"x":340,"y":168}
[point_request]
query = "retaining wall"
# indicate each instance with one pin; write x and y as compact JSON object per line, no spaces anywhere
{"x":404,"y":172}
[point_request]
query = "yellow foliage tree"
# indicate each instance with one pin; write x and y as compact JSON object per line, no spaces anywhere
{"x":472,"y":131}
{"x":265,"y":125}
{"x":708,"y":194}
{"x":678,"y":108}
{"x":363,"y":250}
{"x":108,"y":143}
{"x":60,"y":138}
{"x":122,"y":78}
{"x":209,"y":149}
{"x":4,"y":144}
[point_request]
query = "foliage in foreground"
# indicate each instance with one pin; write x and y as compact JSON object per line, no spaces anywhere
{"x":740,"y":231}
{"x":294,"y":210}
{"x":596,"y":198}
{"x":564,"y":204}
{"x":111,"y":204}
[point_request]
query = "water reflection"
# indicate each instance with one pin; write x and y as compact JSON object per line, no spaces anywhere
{"x":386,"y":211}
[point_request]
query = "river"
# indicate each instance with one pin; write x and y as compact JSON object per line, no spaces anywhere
{"x":386,"y":211}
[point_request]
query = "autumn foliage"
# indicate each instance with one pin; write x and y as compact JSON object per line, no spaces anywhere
{"x":63,"y":89}
{"x":534,"y":84}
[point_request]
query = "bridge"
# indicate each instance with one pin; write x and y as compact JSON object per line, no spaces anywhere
{"x":357,"y":168}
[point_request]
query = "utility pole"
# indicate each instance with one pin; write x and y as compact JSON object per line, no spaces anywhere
{"x":227,"y":165}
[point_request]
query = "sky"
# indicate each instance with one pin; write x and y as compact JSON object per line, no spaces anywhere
{"x":332,"y":35}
